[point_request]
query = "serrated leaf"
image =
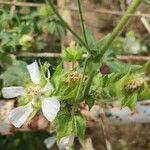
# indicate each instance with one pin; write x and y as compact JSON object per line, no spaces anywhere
{"x":92,"y":43}
{"x":129,"y":100}
{"x":80,"y":126}
{"x":65,"y":124}
{"x":120,"y":67}
{"x":90,"y":102}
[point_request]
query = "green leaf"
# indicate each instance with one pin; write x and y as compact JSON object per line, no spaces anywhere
{"x":58,"y":77}
{"x":58,"y":70}
{"x":80,"y":126}
{"x":90,"y":101}
{"x":43,"y":72}
{"x":145,"y":93}
{"x":117,"y":66}
{"x":69,"y":97}
{"x":64,"y":121}
{"x":72,"y":54}
{"x":119,"y":86}
{"x":92,"y":42}
{"x":16,"y":75}
{"x":129,"y":100}
{"x":5,"y":61}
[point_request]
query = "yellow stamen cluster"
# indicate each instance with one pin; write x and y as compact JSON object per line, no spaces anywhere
{"x":33,"y":90}
{"x":135,"y":84}
{"x":73,"y":77}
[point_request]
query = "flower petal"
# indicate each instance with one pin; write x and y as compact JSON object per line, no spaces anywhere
{"x":47,"y":87}
{"x":66,"y":142}
{"x":50,"y":108}
{"x":34,"y":72}
{"x":13,"y":91}
{"x":19,"y":115}
{"x":50,"y":141}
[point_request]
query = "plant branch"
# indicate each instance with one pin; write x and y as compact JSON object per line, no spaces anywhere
{"x":88,"y":85}
{"x":82,"y":22}
{"x":124,"y":20}
{"x":68,"y":27}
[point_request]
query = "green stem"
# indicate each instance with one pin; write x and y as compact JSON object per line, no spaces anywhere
{"x":124,"y":20}
{"x":89,"y":83}
{"x":81,"y":81}
{"x":82,"y":22}
{"x":68,"y":27}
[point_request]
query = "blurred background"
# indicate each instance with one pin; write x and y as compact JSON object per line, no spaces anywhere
{"x":30,"y":30}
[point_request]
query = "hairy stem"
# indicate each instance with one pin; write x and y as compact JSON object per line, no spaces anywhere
{"x":122,"y":23}
{"x":89,"y":82}
{"x":82,"y":22}
{"x":68,"y":27}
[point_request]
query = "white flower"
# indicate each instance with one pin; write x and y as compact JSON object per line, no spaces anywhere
{"x":66,"y":142}
{"x":50,"y":105}
{"x":50,"y":141}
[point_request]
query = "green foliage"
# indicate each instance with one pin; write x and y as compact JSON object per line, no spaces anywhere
{"x":125,"y":83}
{"x":79,"y":128}
{"x":5,"y":61}
{"x":54,"y":26}
{"x":72,"y":54}
{"x":45,"y":11}
{"x":69,"y":124}
{"x":65,"y":122}
{"x":44,"y":72}
{"x":16,"y":75}
{"x":26,"y":32}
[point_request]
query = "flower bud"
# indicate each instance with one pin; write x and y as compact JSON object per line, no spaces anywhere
{"x":74,"y":76}
{"x":134,"y":84}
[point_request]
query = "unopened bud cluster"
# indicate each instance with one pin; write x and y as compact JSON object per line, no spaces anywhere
{"x":134,"y":84}
{"x":75,"y":76}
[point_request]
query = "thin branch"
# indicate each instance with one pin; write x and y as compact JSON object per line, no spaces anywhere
{"x":133,"y":58}
{"x":46,"y":54}
{"x":130,"y":58}
{"x":82,"y":21}
{"x":13,"y":8}
{"x":120,"y":26}
{"x":68,"y":27}
{"x":146,"y":24}
{"x":21,"y":4}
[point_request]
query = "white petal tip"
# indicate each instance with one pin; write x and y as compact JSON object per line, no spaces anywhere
{"x":49,"y":142}
{"x":13,"y":91}
{"x":34,"y":72}
{"x":66,"y":142}
{"x":19,"y":115}
{"x":50,"y":108}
